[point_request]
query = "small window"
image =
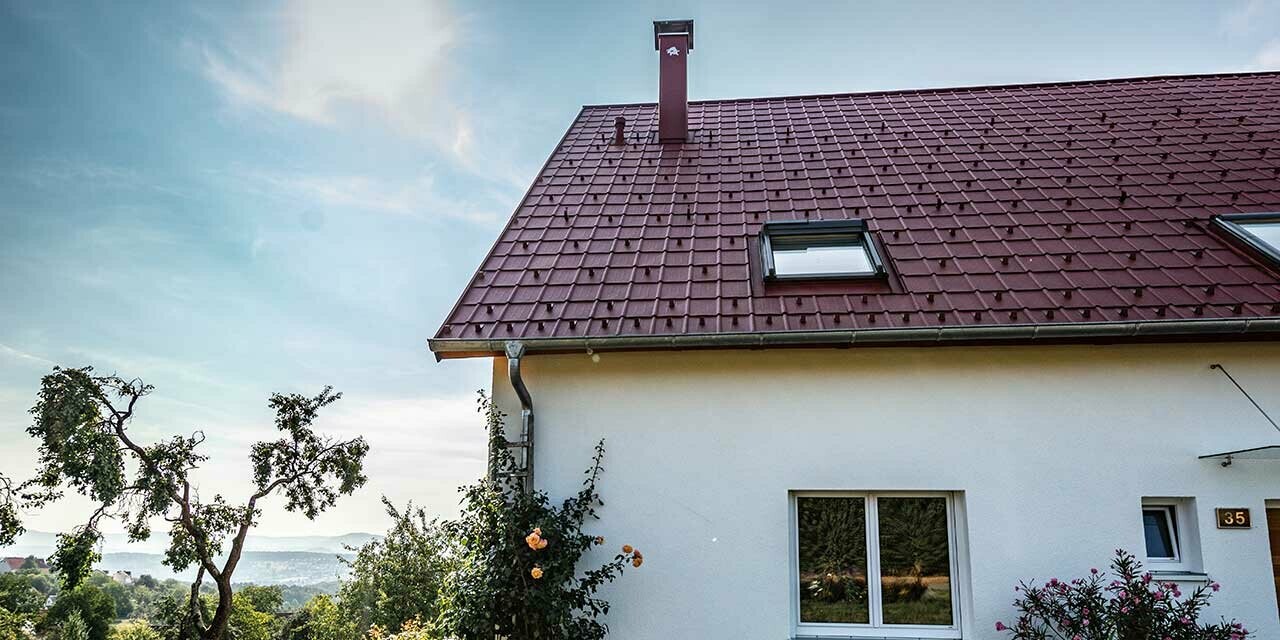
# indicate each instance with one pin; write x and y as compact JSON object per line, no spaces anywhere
{"x":1171,"y":536}
{"x":1160,"y":527}
{"x":820,"y":249}
{"x":1258,"y":231}
{"x":876,"y":565}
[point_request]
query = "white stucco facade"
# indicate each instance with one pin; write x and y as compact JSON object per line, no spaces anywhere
{"x":1048,"y":450}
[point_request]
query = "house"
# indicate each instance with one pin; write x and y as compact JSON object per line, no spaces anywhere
{"x":122,"y":577}
{"x":14,"y":564}
{"x":863,"y":362}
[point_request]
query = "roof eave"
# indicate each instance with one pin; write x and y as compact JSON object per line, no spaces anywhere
{"x":1138,"y":331}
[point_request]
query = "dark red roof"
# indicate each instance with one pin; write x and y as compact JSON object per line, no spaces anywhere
{"x":1026,"y":205}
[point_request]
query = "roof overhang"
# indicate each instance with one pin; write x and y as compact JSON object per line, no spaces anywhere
{"x":1141,"y":331}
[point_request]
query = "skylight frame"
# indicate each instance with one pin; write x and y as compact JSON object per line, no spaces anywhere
{"x":854,"y":231}
{"x":1237,"y":225}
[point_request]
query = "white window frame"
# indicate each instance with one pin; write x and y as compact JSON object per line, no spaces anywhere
{"x":876,"y":627}
{"x":1186,"y":537}
{"x":1170,"y":513}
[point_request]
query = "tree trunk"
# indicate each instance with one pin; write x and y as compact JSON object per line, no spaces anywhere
{"x":222,"y":615}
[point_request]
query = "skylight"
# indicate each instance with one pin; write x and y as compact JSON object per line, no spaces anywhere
{"x":1259,"y":231}
{"x":820,"y":249}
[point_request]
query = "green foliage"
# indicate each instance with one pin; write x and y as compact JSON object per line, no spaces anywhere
{"x":134,"y":630}
{"x":18,"y":594}
{"x":319,"y":619}
{"x":12,"y":625}
{"x":74,"y":628}
{"x":504,"y":580}
{"x":86,"y":603}
{"x":1133,"y":606}
{"x":171,"y":617}
{"x":248,"y":623}
{"x":81,"y":422}
{"x":397,"y":578}
{"x":266,"y":599}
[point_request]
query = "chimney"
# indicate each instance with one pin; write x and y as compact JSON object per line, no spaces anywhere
{"x":674,"y":40}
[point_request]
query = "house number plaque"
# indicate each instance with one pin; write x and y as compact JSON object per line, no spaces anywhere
{"x":1237,"y":518}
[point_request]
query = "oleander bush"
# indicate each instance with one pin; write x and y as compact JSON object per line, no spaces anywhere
{"x":1132,"y":605}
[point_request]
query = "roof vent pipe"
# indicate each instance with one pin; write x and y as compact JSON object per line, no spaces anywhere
{"x":619,"y":127}
{"x":673,"y":39}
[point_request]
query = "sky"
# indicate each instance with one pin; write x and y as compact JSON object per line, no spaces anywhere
{"x":234,"y":199}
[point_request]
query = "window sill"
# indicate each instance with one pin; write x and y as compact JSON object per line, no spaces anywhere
{"x":862,"y":637}
{"x":1180,"y":576}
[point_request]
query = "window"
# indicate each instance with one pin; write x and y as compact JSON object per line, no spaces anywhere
{"x":880,"y":565}
{"x":1159,"y":526}
{"x":821,"y":249}
{"x":1258,"y":231}
{"x":1170,"y":534}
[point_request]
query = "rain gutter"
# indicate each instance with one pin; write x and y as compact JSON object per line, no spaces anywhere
{"x":1152,"y":330}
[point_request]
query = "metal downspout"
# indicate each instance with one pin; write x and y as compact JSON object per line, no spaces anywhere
{"x":515,"y":350}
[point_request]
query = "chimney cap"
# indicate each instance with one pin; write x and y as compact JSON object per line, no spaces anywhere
{"x":672,"y":27}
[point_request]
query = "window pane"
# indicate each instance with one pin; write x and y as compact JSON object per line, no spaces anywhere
{"x":915,"y":561}
{"x":1155,"y":526}
{"x":832,"y":536}
{"x":820,"y":256}
{"x":1268,"y":232}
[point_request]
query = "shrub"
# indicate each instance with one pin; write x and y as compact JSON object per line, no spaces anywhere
{"x":1133,"y":606}
{"x":515,"y":558}
{"x":134,"y":630}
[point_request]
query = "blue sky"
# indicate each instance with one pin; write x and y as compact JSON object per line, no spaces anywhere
{"x":233,"y":199}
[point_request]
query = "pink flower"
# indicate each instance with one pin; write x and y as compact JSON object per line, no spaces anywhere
{"x":1184,"y":620}
{"x":1215,"y":586}
{"x":1000,"y":626}
{"x":1094,"y":571}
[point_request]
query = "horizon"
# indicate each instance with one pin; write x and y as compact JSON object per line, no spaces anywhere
{"x":233,"y":200}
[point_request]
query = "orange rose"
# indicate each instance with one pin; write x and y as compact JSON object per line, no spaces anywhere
{"x":542,"y":544}
{"x":537,"y":531}
{"x":537,"y":573}
{"x":599,"y":539}
{"x":626,"y":548}
{"x":637,"y":561}
{"x":533,"y":541}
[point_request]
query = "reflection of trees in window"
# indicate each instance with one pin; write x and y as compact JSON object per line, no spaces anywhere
{"x":915,"y":567}
{"x":833,"y":535}
{"x":832,"y":540}
{"x":913,"y":537}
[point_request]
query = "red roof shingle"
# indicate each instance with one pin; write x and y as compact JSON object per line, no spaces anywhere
{"x":1083,"y":202}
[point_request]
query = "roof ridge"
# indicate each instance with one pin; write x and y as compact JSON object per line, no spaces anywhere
{"x":958,"y":89}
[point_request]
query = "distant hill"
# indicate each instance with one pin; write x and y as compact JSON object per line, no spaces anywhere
{"x":42,"y":543}
{"x":258,"y":567}
{"x":292,"y":560}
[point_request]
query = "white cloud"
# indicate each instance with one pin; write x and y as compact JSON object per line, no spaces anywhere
{"x":415,"y":197}
{"x":389,"y":59}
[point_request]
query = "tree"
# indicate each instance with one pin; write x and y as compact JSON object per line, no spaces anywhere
{"x":88,"y":605}
{"x":12,"y":625}
{"x":10,"y":525}
{"x":265,"y":599}
{"x":247,"y":622}
{"x":397,"y":578}
{"x":319,"y":619}
{"x":74,"y":628}
{"x":82,"y":422}
{"x":19,"y":595}
{"x":134,"y":630}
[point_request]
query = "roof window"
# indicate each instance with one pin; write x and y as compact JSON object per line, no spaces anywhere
{"x":1259,"y":231}
{"x":820,"y":249}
